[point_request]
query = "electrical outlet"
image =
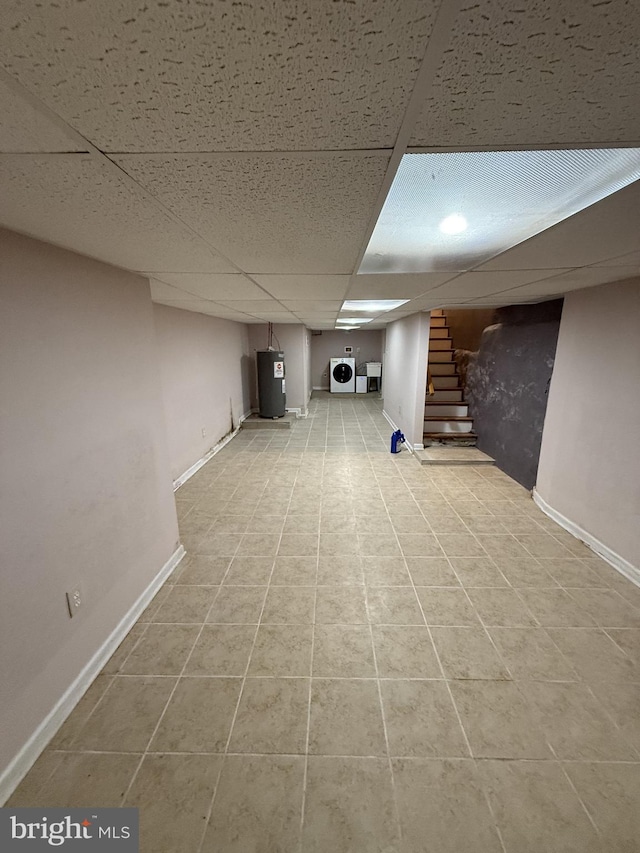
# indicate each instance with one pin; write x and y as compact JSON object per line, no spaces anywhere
{"x":75,"y":600}
{"x":204,"y":432}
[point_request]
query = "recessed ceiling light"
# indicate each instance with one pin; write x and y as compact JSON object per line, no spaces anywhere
{"x":372,"y":306}
{"x":454,"y":224}
{"x":346,"y":328}
{"x":506,"y":196}
{"x":354,"y":319}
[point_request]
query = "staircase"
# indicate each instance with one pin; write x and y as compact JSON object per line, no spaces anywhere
{"x":446,"y":415}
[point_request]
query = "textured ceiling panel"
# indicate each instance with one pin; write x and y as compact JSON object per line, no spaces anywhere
{"x":26,"y":129}
{"x":607,"y":229}
{"x":270,"y":214}
{"x":631,"y":259}
{"x":537,"y":72}
{"x":305,"y":286}
{"x":205,"y":75}
{"x":576,"y":279}
{"x":78,"y":202}
{"x":215,"y":287}
{"x":479,"y":284}
{"x":301,"y":306}
{"x":400,"y":286}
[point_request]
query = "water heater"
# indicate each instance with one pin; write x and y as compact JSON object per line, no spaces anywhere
{"x":271,"y":388}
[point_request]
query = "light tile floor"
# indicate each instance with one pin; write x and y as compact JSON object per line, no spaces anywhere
{"x":362,"y":654}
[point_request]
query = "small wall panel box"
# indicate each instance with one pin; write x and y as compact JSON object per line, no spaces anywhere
{"x":361,"y":384}
{"x":348,"y":350}
{"x":374,"y":368}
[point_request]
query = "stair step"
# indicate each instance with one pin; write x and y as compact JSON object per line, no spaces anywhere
{"x":437,"y":409}
{"x":448,"y":424}
{"x":436,"y":344}
{"x":439,"y":356}
{"x":445,"y":395}
{"x":467,"y":438}
{"x":442,"y":368}
{"x":445,"y":382}
{"x":439,"y":332}
{"x":437,"y":322}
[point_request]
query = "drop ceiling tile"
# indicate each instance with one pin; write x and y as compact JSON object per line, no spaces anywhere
{"x":24,"y":128}
{"x":308,"y":306}
{"x":536,"y":73}
{"x":607,"y":229}
{"x":252,"y":306}
{"x":214,"y":75}
{"x":479,"y":284}
{"x":82,"y":203}
{"x":579,"y":278}
{"x":268,"y":213}
{"x":630,"y":260}
{"x":216,"y":286}
{"x":161,"y":291}
{"x":203,"y":306}
{"x":398,"y":286}
{"x":304,"y":286}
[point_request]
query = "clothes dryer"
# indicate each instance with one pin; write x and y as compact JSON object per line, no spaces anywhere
{"x":343,"y":375}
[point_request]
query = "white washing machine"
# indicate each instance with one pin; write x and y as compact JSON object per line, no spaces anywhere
{"x":343,"y":375}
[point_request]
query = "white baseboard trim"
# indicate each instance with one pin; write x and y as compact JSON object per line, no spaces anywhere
{"x":321,"y":388}
{"x":295,"y":410}
{"x":15,"y":772}
{"x":625,"y":568}
{"x":182,"y":479}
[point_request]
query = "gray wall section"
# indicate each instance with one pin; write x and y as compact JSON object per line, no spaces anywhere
{"x":508,"y":385}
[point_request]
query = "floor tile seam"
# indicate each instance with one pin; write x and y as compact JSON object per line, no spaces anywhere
{"x":112,"y":677}
{"x":438,"y":659}
{"x":484,"y":626}
{"x":171,"y":695}
{"x":308,"y":732}
{"x":583,"y":805}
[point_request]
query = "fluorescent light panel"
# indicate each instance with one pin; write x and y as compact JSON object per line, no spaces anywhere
{"x":454,"y":211}
{"x":372,"y":306}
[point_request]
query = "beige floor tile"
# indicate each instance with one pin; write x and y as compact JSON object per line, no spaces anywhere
{"x":385,"y":571}
{"x":126,"y":716}
{"x":591,"y":733}
{"x":442,"y":807}
{"x":343,"y":651}
{"x":230,"y":524}
{"x":536,"y":809}
{"x":607,"y":607}
{"x":340,"y":570}
{"x":373,"y":525}
{"x":162,"y":650}
{"x":282,"y":650}
{"x":531,"y":654}
{"x":431,"y":571}
{"x":67,"y":732}
{"x":217,"y":544}
{"x":468,"y":653}
{"x":257,"y":806}
{"x":345,"y":605}
{"x":444,"y":520}
{"x":542,"y":545}
{"x":349,"y":807}
{"x":411,"y":524}
{"x":298,"y":545}
{"x":554,"y":608}
{"x":295,"y":571}
{"x":186,"y":604}
{"x":421,"y":720}
{"x":173,"y":794}
{"x":338,"y":544}
{"x":26,"y":794}
{"x":621,"y":703}
{"x":446,"y":606}
{"x":420,"y":545}
{"x":485,"y":524}
{"x":330,"y":523}
{"x":198,"y":717}
{"x":594,"y":655}
{"x":117,"y":659}
{"x":573,"y":573}
{"x":628,"y":639}
{"x":289,"y":605}
{"x":272,"y":524}
{"x":498,"y":721}
{"x":238,"y":604}
{"x":88,"y":779}
{"x":610,"y":794}
{"x":272,"y":716}
{"x":258,"y":545}
{"x":249,"y":571}
{"x":393,"y":605}
{"x":345,"y":718}
{"x":500,"y":607}
{"x":405,"y":651}
{"x":154,"y":605}
{"x":204,"y":570}
{"x":302,"y":524}
{"x":459,"y":545}
{"x":524,"y":572}
{"x":221,"y":650}
{"x":378,"y":545}
{"x":478,"y":571}
{"x":502,"y":546}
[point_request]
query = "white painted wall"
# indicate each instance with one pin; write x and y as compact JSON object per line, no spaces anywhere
{"x":330,"y":344}
{"x":589,"y":468}
{"x":205,"y":368}
{"x":86,"y":491}
{"x":405,"y":374}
